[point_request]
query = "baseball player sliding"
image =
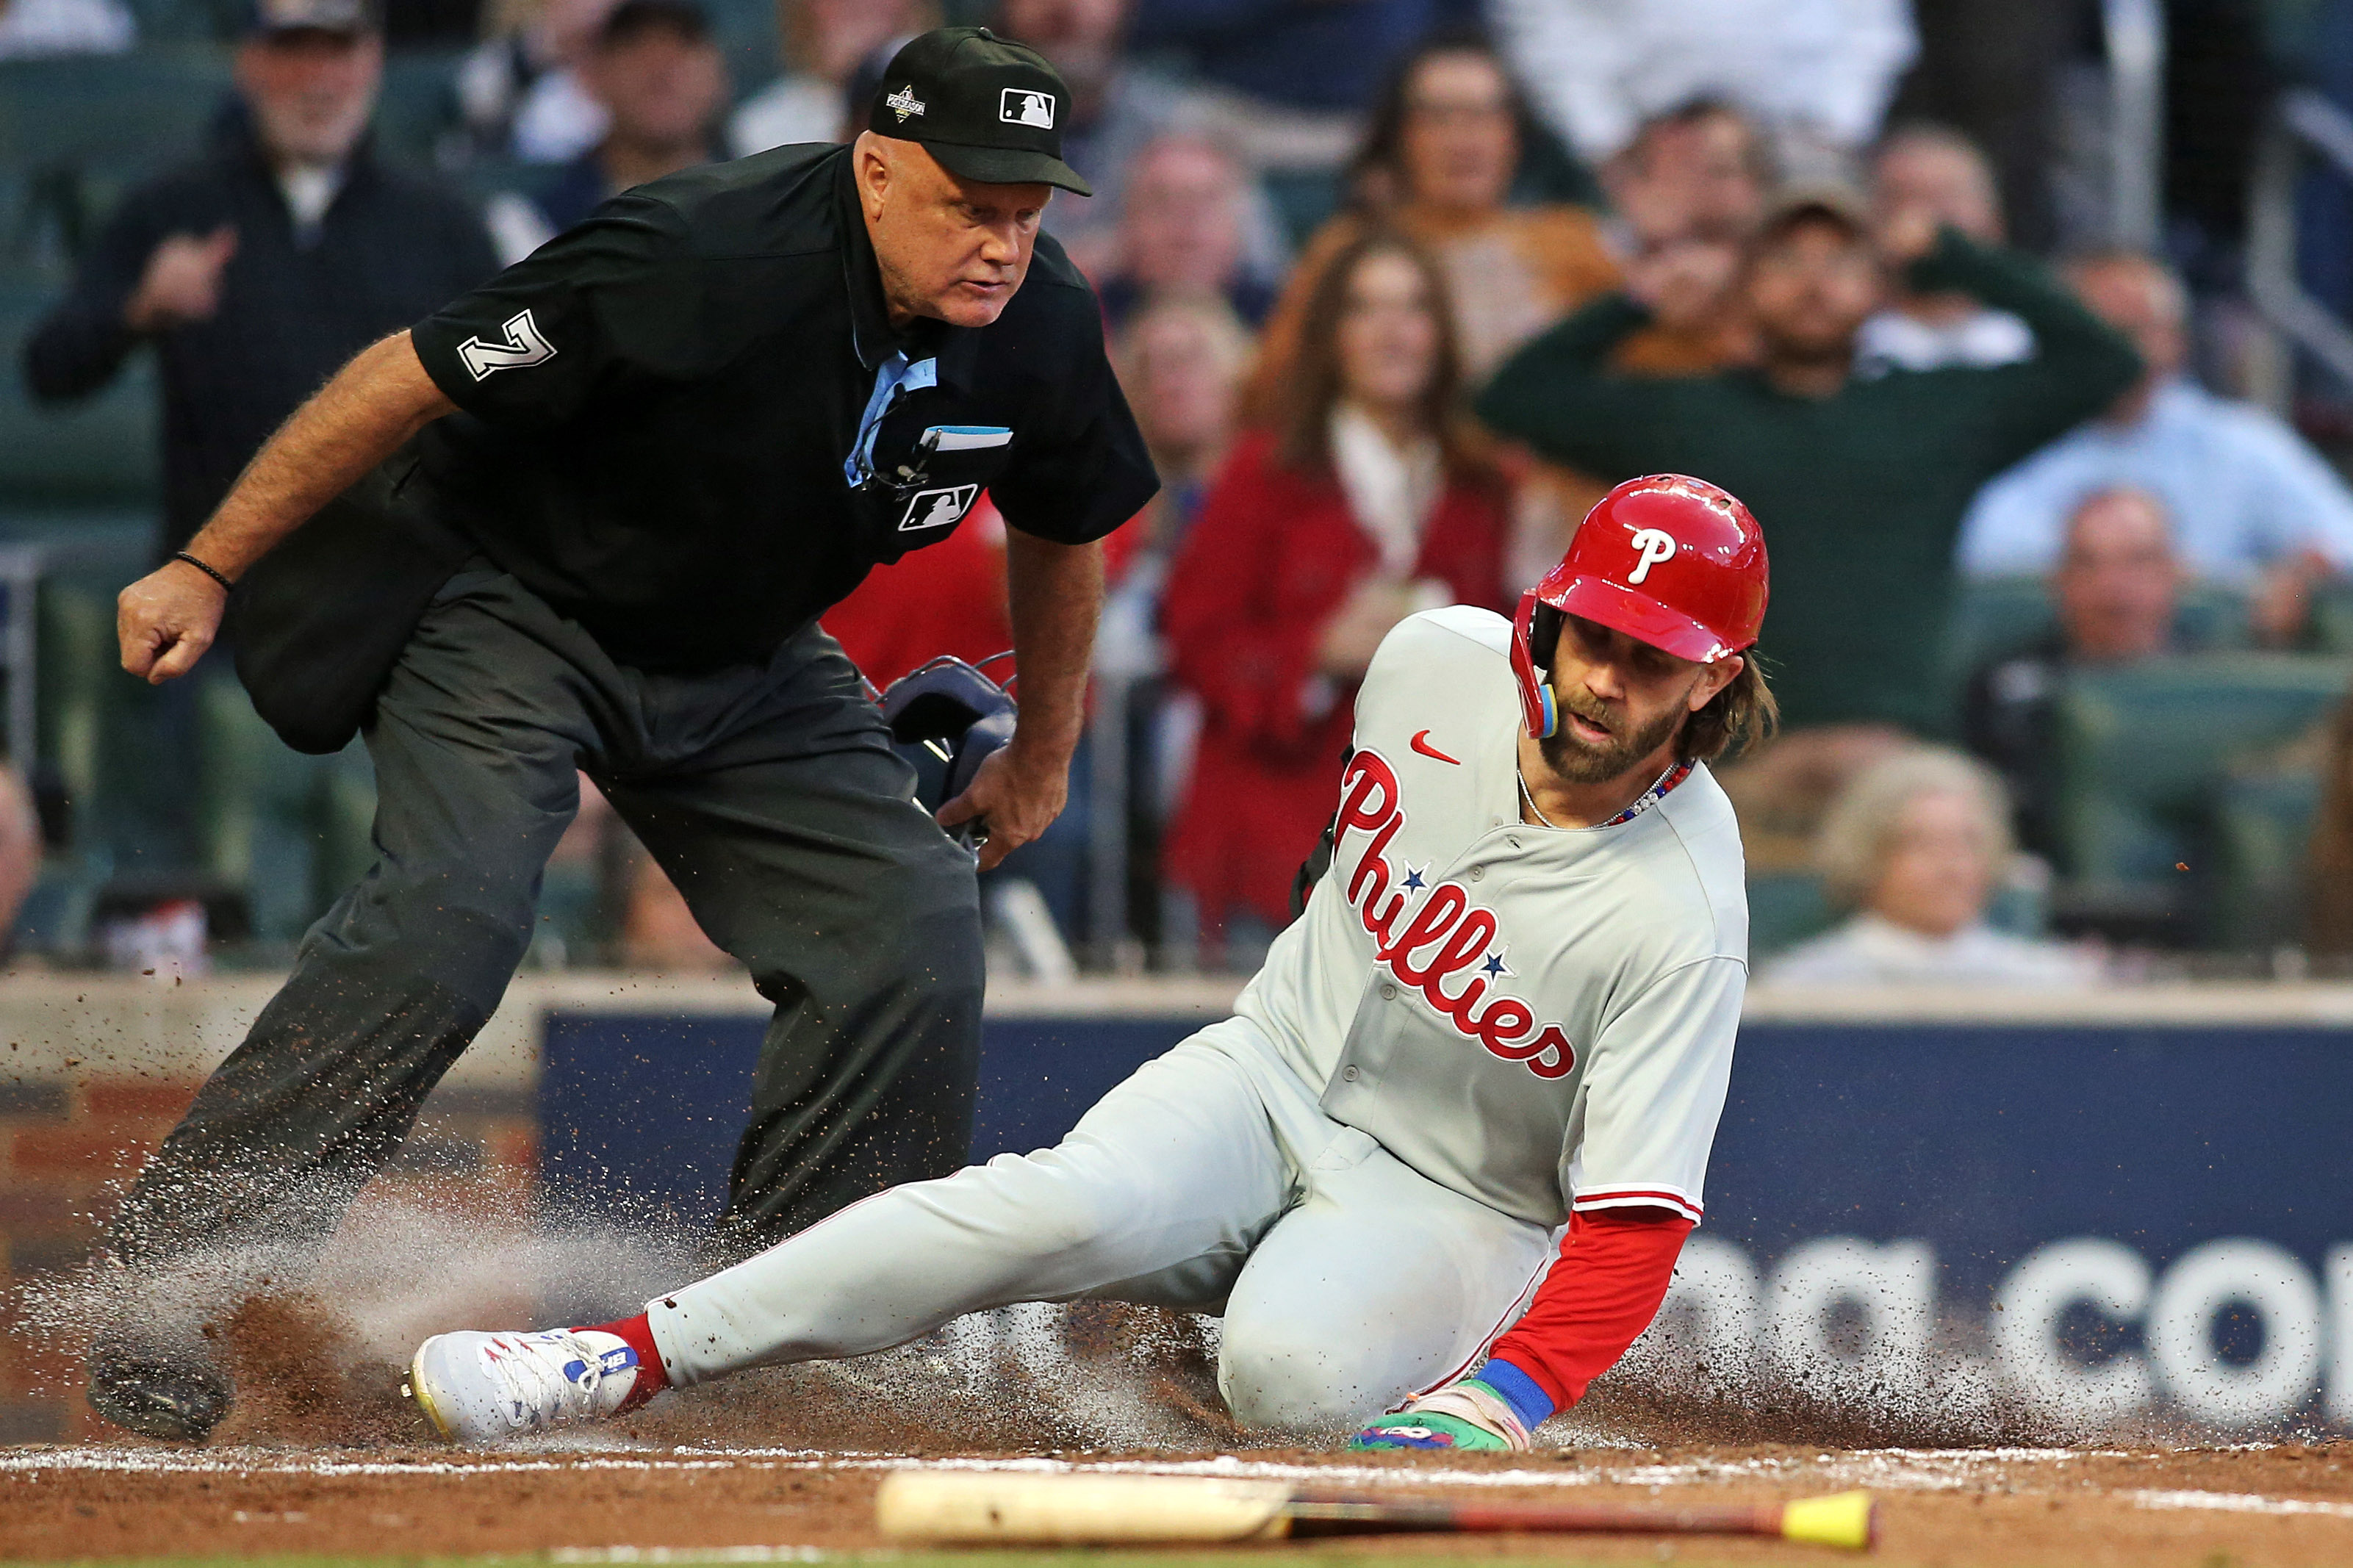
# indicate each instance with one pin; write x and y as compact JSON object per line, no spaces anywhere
{"x":1509,"y":1006}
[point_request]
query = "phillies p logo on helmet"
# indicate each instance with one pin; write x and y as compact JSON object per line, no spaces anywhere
{"x":1654,"y":545}
{"x":1709,"y":607}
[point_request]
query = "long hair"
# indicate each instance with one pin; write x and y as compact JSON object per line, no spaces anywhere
{"x":1376,"y":172}
{"x":1302,"y":414}
{"x":1739,"y":717}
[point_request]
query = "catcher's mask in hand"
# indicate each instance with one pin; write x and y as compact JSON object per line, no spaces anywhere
{"x":958,"y":715}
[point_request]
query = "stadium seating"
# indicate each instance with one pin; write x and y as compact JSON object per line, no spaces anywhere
{"x":100,"y":453}
{"x":273,"y":833}
{"x":85,"y":731}
{"x":113,"y":111}
{"x":82,"y":482}
{"x":2262,"y":823}
{"x":188,"y":22}
{"x":76,"y":642}
{"x":290,"y":831}
{"x":416,"y":106}
{"x":2157,"y":769}
{"x":1784,"y":908}
{"x":1995,"y":616}
{"x":2331,"y":630}
{"x":2246,"y":828}
{"x":2146,"y":756}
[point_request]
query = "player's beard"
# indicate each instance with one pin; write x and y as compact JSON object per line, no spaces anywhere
{"x":1581,"y":761}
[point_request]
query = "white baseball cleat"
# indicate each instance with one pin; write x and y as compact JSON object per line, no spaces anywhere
{"x":480,"y":1388}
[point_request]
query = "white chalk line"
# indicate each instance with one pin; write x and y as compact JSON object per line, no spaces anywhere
{"x":2240,"y":1502}
{"x":262,"y":1462}
{"x":694,"y":1554}
{"x":1889,"y":1468}
{"x":2223,"y":1502}
{"x":1893,"y":1468}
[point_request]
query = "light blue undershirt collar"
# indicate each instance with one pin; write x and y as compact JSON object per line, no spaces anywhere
{"x":893,"y":378}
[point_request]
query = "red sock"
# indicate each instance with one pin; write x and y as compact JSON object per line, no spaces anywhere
{"x":638,"y":1335}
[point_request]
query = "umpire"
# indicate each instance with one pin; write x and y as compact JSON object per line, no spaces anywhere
{"x":586,"y":516}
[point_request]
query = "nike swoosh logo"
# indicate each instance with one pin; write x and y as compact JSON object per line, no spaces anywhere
{"x":1422,"y":744}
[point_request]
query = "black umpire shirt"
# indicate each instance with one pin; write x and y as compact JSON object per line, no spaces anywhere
{"x":688,"y":423}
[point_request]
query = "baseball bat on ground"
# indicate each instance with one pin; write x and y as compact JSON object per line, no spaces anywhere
{"x":998,"y":1506}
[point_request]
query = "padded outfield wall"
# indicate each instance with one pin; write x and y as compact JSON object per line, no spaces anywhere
{"x":2130,"y":1203}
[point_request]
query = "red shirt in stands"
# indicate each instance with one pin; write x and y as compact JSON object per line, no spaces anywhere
{"x":947,"y":597}
{"x":1273,"y":555}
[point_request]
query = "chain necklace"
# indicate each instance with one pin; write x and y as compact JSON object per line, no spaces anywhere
{"x":1650,"y":798}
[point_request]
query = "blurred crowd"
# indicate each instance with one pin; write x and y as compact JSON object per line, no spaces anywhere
{"x":1397,"y":288}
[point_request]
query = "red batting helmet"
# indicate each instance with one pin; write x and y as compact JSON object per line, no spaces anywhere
{"x":1668,"y":560}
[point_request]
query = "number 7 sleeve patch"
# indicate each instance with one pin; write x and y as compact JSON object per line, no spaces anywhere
{"x":524,"y":347}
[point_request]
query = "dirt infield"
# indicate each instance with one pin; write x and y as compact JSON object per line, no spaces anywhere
{"x":1956,"y":1507}
{"x":323,"y":1459}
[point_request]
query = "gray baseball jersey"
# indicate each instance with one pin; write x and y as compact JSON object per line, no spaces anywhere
{"x":1474,"y":1021}
{"x":1539,"y":1018}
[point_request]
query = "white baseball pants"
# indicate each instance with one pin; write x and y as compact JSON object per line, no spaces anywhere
{"x":1211,"y":1182}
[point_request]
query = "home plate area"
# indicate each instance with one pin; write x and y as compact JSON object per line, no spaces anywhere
{"x":2146,"y":1508}
{"x":325,"y":1461}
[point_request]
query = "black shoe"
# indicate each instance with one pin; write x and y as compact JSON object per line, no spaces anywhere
{"x":179,"y":1398}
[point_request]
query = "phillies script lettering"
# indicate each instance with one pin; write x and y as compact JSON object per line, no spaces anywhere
{"x":1445,"y":935}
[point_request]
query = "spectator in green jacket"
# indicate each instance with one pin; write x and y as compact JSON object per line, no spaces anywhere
{"x":1860,"y":481}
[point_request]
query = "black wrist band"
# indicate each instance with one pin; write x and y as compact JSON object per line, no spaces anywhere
{"x":209,"y":572}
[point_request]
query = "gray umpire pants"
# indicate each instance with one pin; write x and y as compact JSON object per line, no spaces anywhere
{"x":772,"y":797}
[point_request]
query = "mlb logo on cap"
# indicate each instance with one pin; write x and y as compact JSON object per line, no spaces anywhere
{"x":1020,"y":106}
{"x":986,"y":108}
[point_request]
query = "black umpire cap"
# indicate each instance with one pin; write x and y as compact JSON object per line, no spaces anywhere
{"x":986,"y":107}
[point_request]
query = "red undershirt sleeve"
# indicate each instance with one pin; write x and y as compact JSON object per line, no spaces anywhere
{"x":1603,"y":1292}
